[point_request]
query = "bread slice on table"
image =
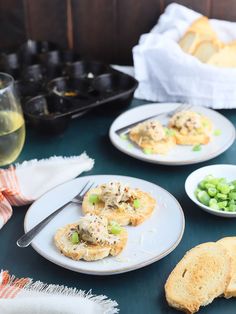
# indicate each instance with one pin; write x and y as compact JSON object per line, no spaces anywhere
{"x":202,"y":275}
{"x":122,"y":217}
{"x":161,"y":147}
{"x":230,"y":245}
{"x":87,"y":251}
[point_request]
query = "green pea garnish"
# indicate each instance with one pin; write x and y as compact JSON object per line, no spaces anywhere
{"x":197,"y":148}
{"x":124,"y":137}
{"x":136,"y":203}
{"x":147,"y":151}
{"x":93,"y":198}
{"x":217,"y":132}
{"x":75,"y":238}
{"x":169,"y":132}
{"x":114,"y":228}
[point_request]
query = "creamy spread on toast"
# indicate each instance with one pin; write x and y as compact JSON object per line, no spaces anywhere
{"x":151,"y":135}
{"x":119,"y":202}
{"x":94,"y":229}
{"x":117,"y":195}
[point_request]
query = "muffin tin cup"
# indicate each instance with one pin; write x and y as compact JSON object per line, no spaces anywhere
{"x":54,"y":85}
{"x":86,"y":69}
{"x":46,"y":113}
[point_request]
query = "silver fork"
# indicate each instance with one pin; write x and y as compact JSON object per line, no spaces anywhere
{"x":27,"y":238}
{"x":126,"y":128}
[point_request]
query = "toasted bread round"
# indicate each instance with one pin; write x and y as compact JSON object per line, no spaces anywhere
{"x":202,"y":275}
{"x":87,"y":251}
{"x":229,"y":244}
{"x":122,"y":217}
{"x":203,"y":137}
{"x":162,"y":147}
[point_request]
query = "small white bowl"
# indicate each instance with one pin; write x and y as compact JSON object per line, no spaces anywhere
{"x":219,"y":171}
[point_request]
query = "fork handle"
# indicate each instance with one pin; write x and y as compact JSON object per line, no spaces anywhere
{"x":27,"y":238}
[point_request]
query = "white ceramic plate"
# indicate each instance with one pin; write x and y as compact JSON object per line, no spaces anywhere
{"x":219,"y":171}
{"x":180,"y":155}
{"x":147,"y":243}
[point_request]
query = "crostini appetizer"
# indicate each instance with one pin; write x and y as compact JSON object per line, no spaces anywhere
{"x":118,"y":202}
{"x":152,"y":137}
{"x":91,"y":238}
{"x":191,"y":128}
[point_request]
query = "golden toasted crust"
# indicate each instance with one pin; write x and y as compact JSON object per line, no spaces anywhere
{"x":88,"y":252}
{"x":201,"y":275}
{"x":229,"y":244}
{"x":162,"y":147}
{"x":194,"y":139}
{"x":123,"y":218}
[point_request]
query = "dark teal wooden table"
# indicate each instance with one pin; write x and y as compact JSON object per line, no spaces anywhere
{"x":140,"y":291}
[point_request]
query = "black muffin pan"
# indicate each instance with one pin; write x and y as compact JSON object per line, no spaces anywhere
{"x":55,"y":85}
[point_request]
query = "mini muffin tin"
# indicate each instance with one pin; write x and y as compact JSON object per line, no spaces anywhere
{"x":56,"y":85}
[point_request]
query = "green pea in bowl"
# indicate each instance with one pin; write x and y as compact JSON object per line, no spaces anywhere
{"x":213,"y":189}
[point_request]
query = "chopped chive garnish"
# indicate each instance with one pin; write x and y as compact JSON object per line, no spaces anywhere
{"x":147,"y":151}
{"x":217,"y":132}
{"x":130,"y":146}
{"x":197,"y":148}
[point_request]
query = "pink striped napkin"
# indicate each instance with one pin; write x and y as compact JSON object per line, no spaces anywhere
{"x":23,"y":296}
{"x":23,"y":183}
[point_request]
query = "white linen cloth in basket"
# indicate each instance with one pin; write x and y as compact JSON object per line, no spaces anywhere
{"x":167,"y":74}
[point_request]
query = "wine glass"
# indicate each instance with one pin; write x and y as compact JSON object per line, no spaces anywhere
{"x":12,"y":125}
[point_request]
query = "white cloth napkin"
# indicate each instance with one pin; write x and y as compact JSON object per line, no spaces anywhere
{"x":23,"y":183}
{"x":23,"y":296}
{"x":167,"y":74}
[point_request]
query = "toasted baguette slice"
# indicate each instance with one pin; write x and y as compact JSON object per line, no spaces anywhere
{"x":230,"y":245}
{"x":206,"y":49}
{"x":188,"y":41}
{"x":199,"y":31}
{"x":123,"y":218}
{"x":162,"y":147}
{"x":202,"y":275}
{"x":203,"y":26}
{"x":225,"y":58}
{"x":88,"y":252}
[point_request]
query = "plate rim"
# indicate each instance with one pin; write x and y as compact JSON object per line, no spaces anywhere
{"x":173,"y":163}
{"x":119,"y":270}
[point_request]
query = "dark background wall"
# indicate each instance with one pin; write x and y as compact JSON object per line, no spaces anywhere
{"x":100,"y":29}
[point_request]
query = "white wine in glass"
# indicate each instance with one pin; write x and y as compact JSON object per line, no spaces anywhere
{"x":12,"y":125}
